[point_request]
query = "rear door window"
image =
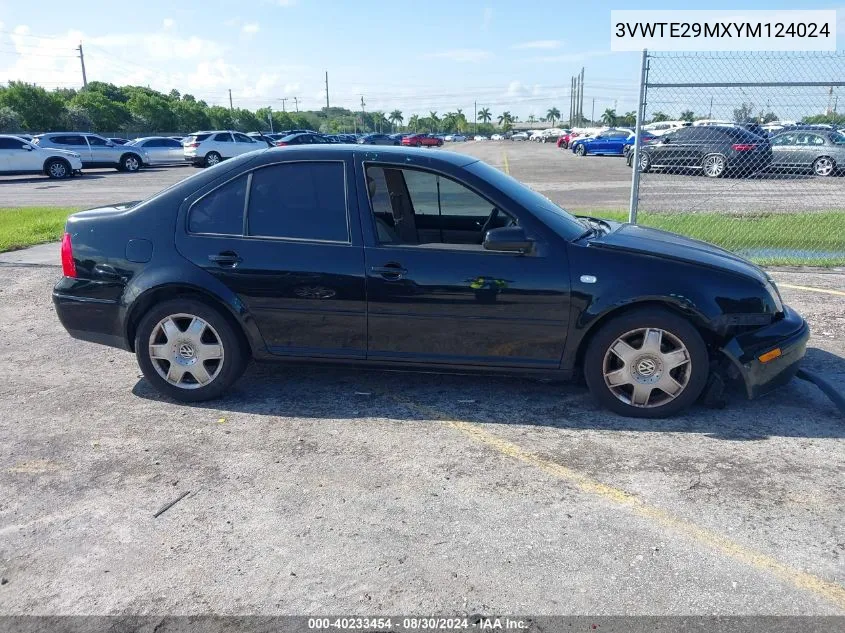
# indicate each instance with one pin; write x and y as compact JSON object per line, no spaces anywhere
{"x":223,"y":137}
{"x":305,"y":201}
{"x":69,"y":139}
{"x":96,"y":141}
{"x":220,"y":212}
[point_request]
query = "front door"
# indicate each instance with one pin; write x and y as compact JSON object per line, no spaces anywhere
{"x":290,"y":253}
{"x":102,"y":151}
{"x":435,"y":295}
{"x":13,"y":156}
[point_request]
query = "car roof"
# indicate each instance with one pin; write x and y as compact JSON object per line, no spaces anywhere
{"x":384,"y":153}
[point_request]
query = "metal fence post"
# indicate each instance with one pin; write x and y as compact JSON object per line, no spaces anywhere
{"x":635,"y":170}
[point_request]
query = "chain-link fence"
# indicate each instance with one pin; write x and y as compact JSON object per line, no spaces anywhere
{"x":745,"y":150}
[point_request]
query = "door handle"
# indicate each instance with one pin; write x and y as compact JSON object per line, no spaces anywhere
{"x":391,"y":272}
{"x":227,"y":259}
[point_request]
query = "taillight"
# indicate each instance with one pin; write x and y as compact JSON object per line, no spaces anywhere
{"x":68,"y":265}
{"x":280,"y":143}
{"x":744,"y":147}
{"x":194,"y":145}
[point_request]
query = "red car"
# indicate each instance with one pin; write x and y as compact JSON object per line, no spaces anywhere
{"x":422,"y":140}
{"x":567,"y":138}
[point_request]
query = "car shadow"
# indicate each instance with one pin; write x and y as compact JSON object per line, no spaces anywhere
{"x":798,"y":409}
{"x":51,"y":182}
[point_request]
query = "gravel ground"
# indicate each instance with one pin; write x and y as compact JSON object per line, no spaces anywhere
{"x":314,"y":490}
{"x":597,"y":183}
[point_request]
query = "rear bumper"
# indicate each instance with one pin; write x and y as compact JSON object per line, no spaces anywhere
{"x":89,"y":319}
{"x":790,"y":334}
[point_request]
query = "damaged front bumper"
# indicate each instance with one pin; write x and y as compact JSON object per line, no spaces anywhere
{"x":769,"y":357}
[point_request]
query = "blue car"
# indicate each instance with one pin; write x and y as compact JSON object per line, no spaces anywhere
{"x":610,"y":142}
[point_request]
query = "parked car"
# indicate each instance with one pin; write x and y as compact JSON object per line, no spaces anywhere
{"x":19,"y":156}
{"x":479,"y":137}
{"x":610,"y":142}
{"x":519,"y":136}
{"x":662,"y":127}
{"x":497,"y":137}
{"x":160,"y":150}
{"x":302,"y":138}
{"x":377,"y":139}
{"x":206,"y":149}
{"x":552,"y":135}
{"x":261,"y":137}
{"x":334,"y":253}
{"x":94,"y":150}
{"x":119,"y":141}
{"x":456,"y":137}
{"x":422,"y":140}
{"x":178,"y":138}
{"x":716,"y":150}
{"x":819,"y":151}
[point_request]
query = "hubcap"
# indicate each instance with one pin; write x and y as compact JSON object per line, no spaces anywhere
{"x":714,"y":165}
{"x":824,"y":166}
{"x":644,"y":161}
{"x":186,"y":351}
{"x":132,"y":163}
{"x":58,"y":170}
{"x":212,"y":159}
{"x":647,"y":367}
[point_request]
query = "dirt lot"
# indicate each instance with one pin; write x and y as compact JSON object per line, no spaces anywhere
{"x":597,"y":183}
{"x":314,"y":490}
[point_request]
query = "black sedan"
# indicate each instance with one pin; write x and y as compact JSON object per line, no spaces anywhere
{"x":408,"y":259}
{"x":715,"y":150}
{"x":377,"y":139}
{"x":302,"y":138}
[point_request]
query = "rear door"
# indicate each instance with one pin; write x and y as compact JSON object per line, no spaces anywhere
{"x":245,"y":143}
{"x":281,"y":238}
{"x":808,"y":147}
{"x":74,"y":143}
{"x":224,"y":144}
{"x":103,"y":152}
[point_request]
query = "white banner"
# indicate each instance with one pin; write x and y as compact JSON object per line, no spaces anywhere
{"x":731,"y":30}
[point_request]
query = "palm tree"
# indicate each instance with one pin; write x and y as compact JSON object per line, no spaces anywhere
{"x":484,"y":115}
{"x":414,"y":122}
{"x":396,"y":118}
{"x":609,"y":117}
{"x":552,"y":115}
{"x":657,"y":117}
{"x":532,"y":118}
{"x":687,"y":115}
{"x":432,"y":119}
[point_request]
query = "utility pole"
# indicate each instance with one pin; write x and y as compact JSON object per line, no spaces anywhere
{"x":581,"y":110}
{"x":327,"y":93}
{"x":296,"y":103}
{"x":571,"y":101}
{"x":475,"y":109}
{"x":82,"y":60}
{"x":710,"y":113}
{"x":231,"y":107}
{"x":362,"y":112}
{"x":593,"y":115}
{"x":283,"y":99}
{"x":270,"y":116}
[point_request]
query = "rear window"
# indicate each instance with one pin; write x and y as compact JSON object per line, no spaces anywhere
{"x":300,"y":201}
{"x":220,"y":212}
{"x":194,"y":138}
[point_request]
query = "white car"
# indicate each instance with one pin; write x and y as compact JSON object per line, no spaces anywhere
{"x":520,"y":136}
{"x":497,"y":137}
{"x":536,"y":136}
{"x":160,"y":150}
{"x":480,"y":137}
{"x":457,"y":136}
{"x":18,"y":156}
{"x":206,"y":149}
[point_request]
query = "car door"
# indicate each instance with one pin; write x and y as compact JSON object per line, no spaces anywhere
{"x":441,"y":298}
{"x":783,"y":150}
{"x":74,"y":143}
{"x":224,"y":144}
{"x":289,"y":251}
{"x":103,"y":151}
{"x":156,"y":152}
{"x":174,"y":151}
{"x":245,"y":144}
{"x":13,"y":156}
{"x":808,"y":147}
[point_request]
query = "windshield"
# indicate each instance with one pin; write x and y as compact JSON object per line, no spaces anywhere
{"x":560,"y":221}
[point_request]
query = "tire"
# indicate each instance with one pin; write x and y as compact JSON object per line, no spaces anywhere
{"x":645,"y":161}
{"x":417,"y":144}
{"x":211,"y":159}
{"x":581,"y":150}
{"x":217,"y":336}
{"x":824,"y":166}
{"x":714,"y":165}
{"x":619,"y":384}
{"x":130,"y":163}
{"x":57,"y":168}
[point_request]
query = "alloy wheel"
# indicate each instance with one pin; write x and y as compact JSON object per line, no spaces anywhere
{"x":212,"y":159}
{"x":131,"y":163}
{"x":714,"y":165}
{"x":647,"y":367}
{"x":186,"y":351}
{"x":58,"y":170}
{"x":823,"y":166}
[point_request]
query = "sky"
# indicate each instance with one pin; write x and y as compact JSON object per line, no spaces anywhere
{"x":412,"y":56}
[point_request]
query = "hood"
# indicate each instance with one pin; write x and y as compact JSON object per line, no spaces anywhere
{"x":656,"y":243}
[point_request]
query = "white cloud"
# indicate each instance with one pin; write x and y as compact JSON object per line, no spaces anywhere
{"x":250,"y":28}
{"x":570,"y":57}
{"x":472,"y":55}
{"x":539,"y":44}
{"x":168,"y":23}
{"x":486,"y":18}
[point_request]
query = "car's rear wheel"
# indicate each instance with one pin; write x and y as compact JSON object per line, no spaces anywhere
{"x":648,"y":363}
{"x":57,"y":168}
{"x":212,"y":158}
{"x":189,"y":351}
{"x":581,"y":150}
{"x":824,"y":166}
{"x":130,"y":163}
{"x":645,"y":161}
{"x":714,"y":165}
{"x":417,"y":144}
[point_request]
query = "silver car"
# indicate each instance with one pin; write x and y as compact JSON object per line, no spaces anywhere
{"x":161,"y":150}
{"x":822,"y":151}
{"x":95,"y":150}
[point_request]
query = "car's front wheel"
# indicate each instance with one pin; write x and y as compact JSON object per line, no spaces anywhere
{"x":648,"y":363}
{"x":581,"y":150}
{"x":189,"y":351}
{"x":58,"y":168}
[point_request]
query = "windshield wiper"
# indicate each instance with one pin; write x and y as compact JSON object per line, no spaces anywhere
{"x":594,"y":226}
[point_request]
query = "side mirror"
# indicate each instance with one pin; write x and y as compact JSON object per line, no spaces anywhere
{"x":109,"y":144}
{"x":511,"y":239}
{"x":27,"y":147}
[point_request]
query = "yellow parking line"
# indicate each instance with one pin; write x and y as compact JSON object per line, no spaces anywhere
{"x":507,"y":167}
{"x":830,"y":591}
{"x":827,"y":291}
